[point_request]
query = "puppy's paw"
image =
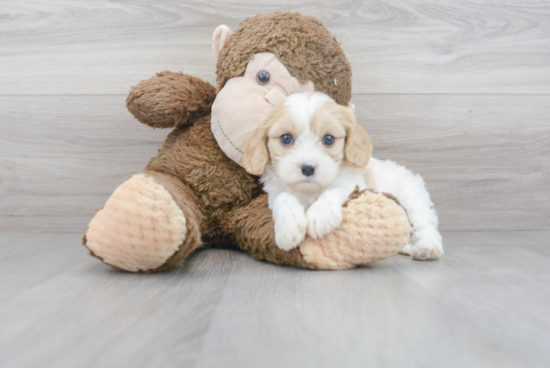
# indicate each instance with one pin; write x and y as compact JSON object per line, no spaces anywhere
{"x":323,"y":218}
{"x":407,"y":250}
{"x":290,"y":230}
{"x":427,"y":248}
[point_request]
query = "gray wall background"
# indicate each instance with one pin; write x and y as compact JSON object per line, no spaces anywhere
{"x":458,"y":91}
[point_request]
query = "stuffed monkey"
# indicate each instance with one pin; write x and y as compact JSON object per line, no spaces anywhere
{"x":196,"y":192}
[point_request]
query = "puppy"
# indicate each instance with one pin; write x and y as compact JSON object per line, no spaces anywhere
{"x":311,"y":155}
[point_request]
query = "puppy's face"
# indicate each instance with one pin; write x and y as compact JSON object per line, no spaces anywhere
{"x":306,"y":139}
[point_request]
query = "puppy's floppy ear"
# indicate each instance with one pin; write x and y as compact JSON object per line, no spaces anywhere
{"x":256,"y":155}
{"x":358,"y":149}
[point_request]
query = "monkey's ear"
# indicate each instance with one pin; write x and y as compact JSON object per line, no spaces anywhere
{"x":220,"y":38}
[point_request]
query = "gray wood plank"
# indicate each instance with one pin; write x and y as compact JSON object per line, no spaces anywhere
{"x":493,"y":277}
{"x":538,"y":241}
{"x":482,"y":305}
{"x":90,"y":315}
{"x":486,"y":159}
{"x":61,"y":157}
{"x":27,"y":260}
{"x":373,"y":316}
{"x":422,"y":46}
{"x":7,"y":239}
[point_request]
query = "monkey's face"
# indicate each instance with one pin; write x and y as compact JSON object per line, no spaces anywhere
{"x":244,"y":101}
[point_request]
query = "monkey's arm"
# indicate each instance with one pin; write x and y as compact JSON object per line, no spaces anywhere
{"x":374,"y":227}
{"x":252,"y":228}
{"x":169,"y":99}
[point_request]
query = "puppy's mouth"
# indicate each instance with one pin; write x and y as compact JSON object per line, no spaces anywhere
{"x":306,"y":185}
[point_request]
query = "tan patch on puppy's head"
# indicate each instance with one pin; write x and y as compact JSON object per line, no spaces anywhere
{"x":264,"y":144}
{"x":326,"y":120}
{"x":351,"y":141}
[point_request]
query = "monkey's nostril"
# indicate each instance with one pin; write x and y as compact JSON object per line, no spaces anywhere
{"x":308,"y":170}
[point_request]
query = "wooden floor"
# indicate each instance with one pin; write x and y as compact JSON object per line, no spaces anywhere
{"x":485,"y":304}
{"x":456,"y":90}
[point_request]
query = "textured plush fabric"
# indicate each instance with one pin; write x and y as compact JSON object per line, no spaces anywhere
{"x":374,"y":227}
{"x":192,"y":192}
{"x":192,"y":155}
{"x":191,"y":207}
{"x":301,"y":43}
{"x":253,"y":229}
{"x":139,"y":212}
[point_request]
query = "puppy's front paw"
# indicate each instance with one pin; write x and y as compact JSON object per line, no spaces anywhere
{"x":427,"y":248}
{"x":323,"y":217}
{"x":290,"y":230}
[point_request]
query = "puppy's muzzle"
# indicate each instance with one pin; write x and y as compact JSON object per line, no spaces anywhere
{"x":308,"y":170}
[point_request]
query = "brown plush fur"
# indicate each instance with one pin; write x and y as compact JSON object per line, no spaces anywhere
{"x":225,"y":191}
{"x":170,"y":99}
{"x":301,"y":43}
{"x":220,"y":200}
{"x":191,"y":208}
{"x":253,"y":229}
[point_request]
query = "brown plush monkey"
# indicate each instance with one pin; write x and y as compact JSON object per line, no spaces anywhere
{"x":195,"y":191}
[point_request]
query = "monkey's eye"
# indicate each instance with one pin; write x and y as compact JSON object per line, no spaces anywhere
{"x":328,"y":140}
{"x":263,"y":77}
{"x":286,"y":139}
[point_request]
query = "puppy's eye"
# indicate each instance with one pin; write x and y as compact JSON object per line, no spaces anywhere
{"x":263,"y":77}
{"x":328,"y":140}
{"x":286,"y":139}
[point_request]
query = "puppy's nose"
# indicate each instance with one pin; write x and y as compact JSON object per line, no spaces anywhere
{"x":308,"y":170}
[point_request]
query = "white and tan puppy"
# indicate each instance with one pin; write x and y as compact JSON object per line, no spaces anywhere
{"x":312,"y":154}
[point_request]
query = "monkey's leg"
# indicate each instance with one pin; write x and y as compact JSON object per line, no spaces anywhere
{"x":150,"y":223}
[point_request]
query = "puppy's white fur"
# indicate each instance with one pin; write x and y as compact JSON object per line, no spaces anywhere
{"x":313,"y":204}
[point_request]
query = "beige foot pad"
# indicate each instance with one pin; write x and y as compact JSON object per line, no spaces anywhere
{"x":374,"y":227}
{"x":139,"y":228}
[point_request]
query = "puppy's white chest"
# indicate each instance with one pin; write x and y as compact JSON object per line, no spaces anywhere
{"x":308,"y":199}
